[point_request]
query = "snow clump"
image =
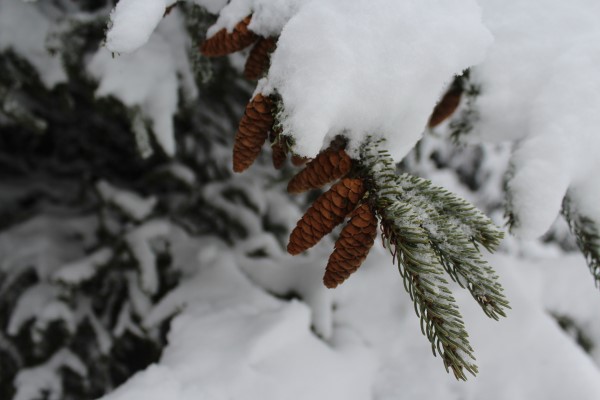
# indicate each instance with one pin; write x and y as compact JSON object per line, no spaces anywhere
{"x":540,"y":86}
{"x":371,"y":67}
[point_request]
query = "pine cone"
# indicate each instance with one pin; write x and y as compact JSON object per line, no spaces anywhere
{"x":326,"y":213}
{"x":352,"y":247}
{"x":223,"y":43}
{"x":253,"y":131}
{"x":279,"y":156}
{"x":298,"y":161}
{"x":327,"y":166}
{"x":278,"y":149}
{"x":259,"y":58}
{"x":446,"y":107}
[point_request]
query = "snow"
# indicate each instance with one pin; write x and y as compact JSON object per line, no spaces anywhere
{"x":149,"y":77}
{"x":586,"y":195}
{"x":547,"y":100}
{"x":84,"y":268}
{"x":233,"y":339}
{"x":138,"y":241}
{"x":28,"y":39}
{"x":268,"y":16}
{"x":45,"y":380}
{"x":522,"y":356}
{"x":31,"y":304}
{"x":182,"y":173}
{"x":154,"y":87}
{"x":328,"y":87}
{"x":126,"y":324}
{"x":140,"y":300}
{"x":230,"y":339}
{"x":563,"y":369}
{"x":357,"y":67}
{"x":229,"y":196}
{"x":299,"y":276}
{"x":132,"y":22}
{"x":39,"y":243}
{"x":134,"y":205}
{"x":53,"y":310}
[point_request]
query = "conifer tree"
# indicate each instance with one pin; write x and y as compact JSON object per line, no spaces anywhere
{"x":113,"y":193}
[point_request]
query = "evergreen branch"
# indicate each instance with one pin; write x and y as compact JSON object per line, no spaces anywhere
{"x":587,"y":235}
{"x":463,"y":215}
{"x":464,"y":264}
{"x":454,"y":228}
{"x":434,"y":304}
{"x":430,"y":230}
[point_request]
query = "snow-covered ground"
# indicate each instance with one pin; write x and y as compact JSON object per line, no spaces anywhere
{"x":234,"y":341}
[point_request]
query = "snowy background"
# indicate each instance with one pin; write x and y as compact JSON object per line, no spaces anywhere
{"x":248,"y":327}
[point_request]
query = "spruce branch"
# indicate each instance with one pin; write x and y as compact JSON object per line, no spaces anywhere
{"x":462,"y":214}
{"x":455,"y":228}
{"x":587,"y":234}
{"x":434,"y":304}
{"x":429,"y":230}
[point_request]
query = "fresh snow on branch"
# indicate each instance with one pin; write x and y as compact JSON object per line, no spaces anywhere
{"x":45,"y":380}
{"x":371,"y":67}
{"x":24,"y":29}
{"x":268,"y":16}
{"x":132,"y":22}
{"x":540,"y":85}
{"x":131,"y":203}
{"x":150,"y":77}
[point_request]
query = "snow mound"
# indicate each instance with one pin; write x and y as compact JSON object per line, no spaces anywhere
{"x":525,"y":355}
{"x":232,"y":340}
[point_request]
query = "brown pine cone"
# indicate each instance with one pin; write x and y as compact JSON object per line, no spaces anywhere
{"x":298,"y":161}
{"x":253,"y":131}
{"x":328,"y":211}
{"x":446,"y":107}
{"x":352,"y":247}
{"x":223,"y":42}
{"x":278,"y":150}
{"x":259,"y":58}
{"x":327,"y":166}
{"x":279,"y":156}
